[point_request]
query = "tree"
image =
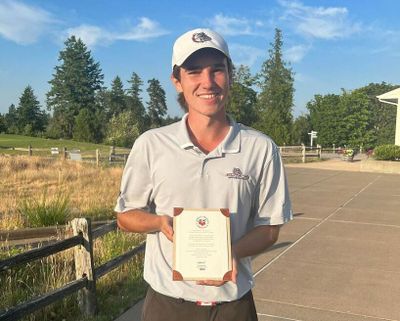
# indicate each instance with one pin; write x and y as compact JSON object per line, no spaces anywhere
{"x":341,"y":120}
{"x":122,"y":129}
{"x":3,"y":126}
{"x":117,"y":97}
{"x":83,"y":127}
{"x":242,"y":99}
{"x":31,"y":119}
{"x":300,"y":130}
{"x":134,"y":102}
{"x":11,"y":120}
{"x":382,"y":120}
{"x":356,"y":120}
{"x":275,"y":100}
{"x":326,"y":117}
{"x":156,"y":106}
{"x":74,"y":86}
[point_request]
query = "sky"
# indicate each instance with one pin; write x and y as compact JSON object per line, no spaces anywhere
{"x":330,"y":45}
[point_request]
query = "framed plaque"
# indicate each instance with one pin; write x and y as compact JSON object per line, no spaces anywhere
{"x":202,"y":245}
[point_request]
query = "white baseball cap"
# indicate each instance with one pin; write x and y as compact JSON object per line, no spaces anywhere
{"x":194,"y":40}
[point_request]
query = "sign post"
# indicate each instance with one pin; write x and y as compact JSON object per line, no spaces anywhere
{"x":313,"y":135}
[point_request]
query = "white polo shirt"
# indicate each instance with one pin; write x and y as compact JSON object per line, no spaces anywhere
{"x":244,"y":173}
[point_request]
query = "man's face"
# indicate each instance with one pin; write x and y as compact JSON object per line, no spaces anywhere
{"x":204,"y":82}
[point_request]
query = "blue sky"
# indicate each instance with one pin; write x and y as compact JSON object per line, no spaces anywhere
{"x":329,"y":44}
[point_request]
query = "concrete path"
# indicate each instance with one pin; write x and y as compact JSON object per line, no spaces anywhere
{"x":339,"y":259}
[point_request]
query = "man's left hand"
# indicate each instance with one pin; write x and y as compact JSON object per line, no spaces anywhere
{"x":219,"y":283}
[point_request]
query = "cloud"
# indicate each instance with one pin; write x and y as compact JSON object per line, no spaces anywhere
{"x":296,"y":53}
{"x":21,"y":23}
{"x":94,"y":35}
{"x":245,"y":55}
{"x":230,"y":26}
{"x":90,"y":35}
{"x":319,"y":22}
{"x":146,"y":29}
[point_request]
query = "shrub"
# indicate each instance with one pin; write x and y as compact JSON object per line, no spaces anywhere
{"x":387,"y":152}
{"x":45,"y":212}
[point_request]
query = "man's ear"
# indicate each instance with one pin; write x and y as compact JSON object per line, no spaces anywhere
{"x":176,"y":83}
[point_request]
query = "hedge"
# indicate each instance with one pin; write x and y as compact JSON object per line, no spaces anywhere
{"x":387,"y":152}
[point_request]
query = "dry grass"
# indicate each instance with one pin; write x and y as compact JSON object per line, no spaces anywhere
{"x":92,"y":190}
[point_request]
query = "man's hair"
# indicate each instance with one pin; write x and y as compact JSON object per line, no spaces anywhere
{"x":176,"y":73}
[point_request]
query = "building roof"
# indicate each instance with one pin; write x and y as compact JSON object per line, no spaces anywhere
{"x":391,"y":97}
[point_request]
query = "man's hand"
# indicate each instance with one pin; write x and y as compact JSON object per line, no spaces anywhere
{"x":166,"y":227}
{"x":219,"y":283}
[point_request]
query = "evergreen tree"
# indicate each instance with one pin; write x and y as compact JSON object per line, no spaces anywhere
{"x":134,"y":101}
{"x":11,"y":120}
{"x":74,"y":86}
{"x":84,"y":130}
{"x":3,"y":126}
{"x":275,"y":101}
{"x":31,"y":119}
{"x":156,"y":106}
{"x":242,"y":99}
{"x":117,"y":97}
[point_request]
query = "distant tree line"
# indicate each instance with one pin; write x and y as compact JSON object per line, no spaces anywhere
{"x":79,"y":107}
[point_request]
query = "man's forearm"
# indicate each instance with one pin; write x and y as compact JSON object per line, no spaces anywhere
{"x":256,"y":241}
{"x":140,"y":221}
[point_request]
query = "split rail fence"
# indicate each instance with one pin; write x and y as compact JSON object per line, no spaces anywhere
{"x":86,"y":273}
{"x":114,"y":156}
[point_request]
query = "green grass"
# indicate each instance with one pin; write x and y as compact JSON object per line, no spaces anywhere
{"x":116,"y":291}
{"x":46,"y":212}
{"x":11,"y":141}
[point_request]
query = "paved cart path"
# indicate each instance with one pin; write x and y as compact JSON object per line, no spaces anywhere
{"x":339,"y":259}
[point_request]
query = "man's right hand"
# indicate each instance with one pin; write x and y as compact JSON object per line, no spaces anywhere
{"x":166,"y":227}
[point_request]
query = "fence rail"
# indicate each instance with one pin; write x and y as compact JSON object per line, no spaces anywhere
{"x":86,"y":274}
{"x":302,"y":152}
{"x":114,"y":156}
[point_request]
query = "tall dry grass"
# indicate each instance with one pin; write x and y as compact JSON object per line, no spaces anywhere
{"x":92,"y":190}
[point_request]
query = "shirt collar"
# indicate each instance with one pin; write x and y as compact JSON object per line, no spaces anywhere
{"x":230,"y":144}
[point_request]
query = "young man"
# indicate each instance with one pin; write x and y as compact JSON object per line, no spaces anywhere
{"x":206,"y":160}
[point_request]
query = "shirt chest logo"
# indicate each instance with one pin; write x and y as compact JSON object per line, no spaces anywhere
{"x":237,"y":174}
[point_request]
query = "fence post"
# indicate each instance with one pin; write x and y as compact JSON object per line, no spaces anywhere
{"x":64,"y":152}
{"x":303,"y":152}
{"x":319,"y":150}
{"x":30,"y":150}
{"x":112,"y":153}
{"x":97,"y":157}
{"x":84,"y":265}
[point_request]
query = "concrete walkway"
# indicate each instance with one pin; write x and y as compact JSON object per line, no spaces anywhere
{"x":339,"y":259}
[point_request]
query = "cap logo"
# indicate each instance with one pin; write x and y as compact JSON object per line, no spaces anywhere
{"x":200,"y":37}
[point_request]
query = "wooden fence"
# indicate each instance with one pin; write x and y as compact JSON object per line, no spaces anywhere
{"x":114,"y":155}
{"x":302,"y":152}
{"x":86,"y":274}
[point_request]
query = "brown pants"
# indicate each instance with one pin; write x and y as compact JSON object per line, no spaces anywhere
{"x":158,"y":307}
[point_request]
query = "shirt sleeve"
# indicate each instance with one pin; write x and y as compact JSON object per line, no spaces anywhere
{"x":272,"y":202}
{"x":136,"y":183}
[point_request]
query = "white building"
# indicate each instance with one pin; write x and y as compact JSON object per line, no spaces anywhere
{"x":393,"y":98}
